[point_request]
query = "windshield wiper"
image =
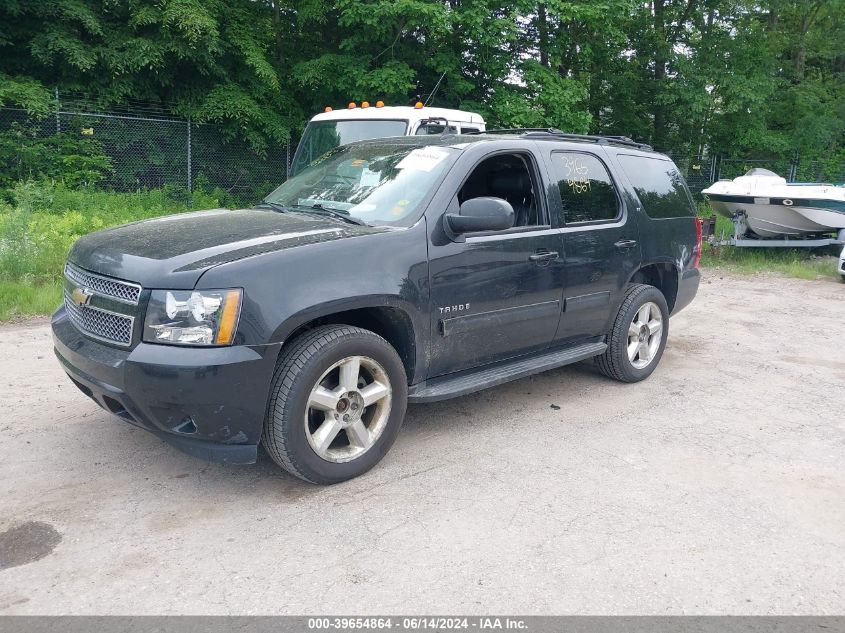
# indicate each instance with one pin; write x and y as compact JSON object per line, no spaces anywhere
{"x":319,"y":209}
{"x":272,"y":205}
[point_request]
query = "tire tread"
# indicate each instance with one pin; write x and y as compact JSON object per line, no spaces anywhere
{"x":290,"y":365}
{"x":610,"y":362}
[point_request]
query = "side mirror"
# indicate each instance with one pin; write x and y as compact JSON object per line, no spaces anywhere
{"x":481,"y":214}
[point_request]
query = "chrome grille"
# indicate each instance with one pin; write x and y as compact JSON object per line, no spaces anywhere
{"x":101,"y":324}
{"x":101,"y":307}
{"x":123,"y":291}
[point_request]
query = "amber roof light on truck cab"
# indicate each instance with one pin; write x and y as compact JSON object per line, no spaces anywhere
{"x":364,"y":104}
{"x":352,"y":105}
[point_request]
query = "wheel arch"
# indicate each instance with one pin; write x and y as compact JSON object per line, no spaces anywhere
{"x":390,"y":321}
{"x":662,"y":275}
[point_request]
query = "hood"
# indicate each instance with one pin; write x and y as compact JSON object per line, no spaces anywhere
{"x":174,"y":251}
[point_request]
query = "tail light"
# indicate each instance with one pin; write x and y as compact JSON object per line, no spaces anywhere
{"x":696,"y":254}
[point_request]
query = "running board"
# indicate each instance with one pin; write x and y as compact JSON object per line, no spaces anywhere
{"x":452,"y":386}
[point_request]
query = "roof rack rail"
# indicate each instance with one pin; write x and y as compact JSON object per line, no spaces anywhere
{"x":556,"y":133}
{"x":523,"y":130}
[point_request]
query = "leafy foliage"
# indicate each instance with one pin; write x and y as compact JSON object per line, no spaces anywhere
{"x":25,"y":92}
{"x":209,"y":59}
{"x":760,"y":77}
{"x":76,"y":161}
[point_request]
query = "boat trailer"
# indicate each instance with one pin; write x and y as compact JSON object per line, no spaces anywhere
{"x":742,"y":238}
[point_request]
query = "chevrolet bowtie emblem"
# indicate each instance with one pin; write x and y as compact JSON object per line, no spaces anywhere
{"x":81,"y":296}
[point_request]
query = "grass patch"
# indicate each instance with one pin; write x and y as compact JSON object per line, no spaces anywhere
{"x":40,"y":221}
{"x":800,"y":263}
{"x":21,"y":299}
{"x":788,"y":262}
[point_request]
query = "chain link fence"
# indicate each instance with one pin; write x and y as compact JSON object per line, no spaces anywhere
{"x":127,"y":152}
{"x":699,"y":171}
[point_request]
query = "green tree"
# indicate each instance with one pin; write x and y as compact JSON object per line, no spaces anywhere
{"x":209,"y":59}
{"x":740,"y":77}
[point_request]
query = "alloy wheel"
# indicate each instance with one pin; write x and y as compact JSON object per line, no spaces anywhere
{"x":644,"y":335}
{"x":348,"y":409}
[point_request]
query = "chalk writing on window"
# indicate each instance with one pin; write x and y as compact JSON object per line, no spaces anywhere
{"x":577,"y":174}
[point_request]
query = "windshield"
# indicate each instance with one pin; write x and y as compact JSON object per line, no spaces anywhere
{"x":378,"y":183}
{"x":322,"y":136}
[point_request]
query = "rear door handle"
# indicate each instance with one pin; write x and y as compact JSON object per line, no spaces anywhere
{"x":626,"y":244}
{"x":543,"y":256}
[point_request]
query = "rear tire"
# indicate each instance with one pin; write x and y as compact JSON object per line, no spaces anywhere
{"x":637,"y":338}
{"x":337,"y":402}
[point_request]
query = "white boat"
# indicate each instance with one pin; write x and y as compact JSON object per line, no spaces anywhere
{"x":771,"y":207}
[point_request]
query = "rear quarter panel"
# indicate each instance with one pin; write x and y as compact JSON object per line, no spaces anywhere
{"x":663,"y":240}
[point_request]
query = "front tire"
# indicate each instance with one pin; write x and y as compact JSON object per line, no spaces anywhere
{"x":337,"y":403}
{"x":637,"y":339}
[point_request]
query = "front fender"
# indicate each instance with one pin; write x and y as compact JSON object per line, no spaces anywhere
{"x":345,"y":304}
{"x":286,"y":289}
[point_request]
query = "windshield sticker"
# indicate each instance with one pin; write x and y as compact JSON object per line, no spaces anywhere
{"x":370,"y":178}
{"x":577,"y":174}
{"x":400,"y":208}
{"x":424,"y":159}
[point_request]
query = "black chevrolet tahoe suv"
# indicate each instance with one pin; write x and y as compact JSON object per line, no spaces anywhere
{"x":408,"y":269}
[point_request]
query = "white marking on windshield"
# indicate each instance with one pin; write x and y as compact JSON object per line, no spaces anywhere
{"x":423,"y":159}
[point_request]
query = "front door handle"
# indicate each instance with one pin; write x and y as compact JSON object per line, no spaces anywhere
{"x":626,"y":244}
{"x":543,"y":256}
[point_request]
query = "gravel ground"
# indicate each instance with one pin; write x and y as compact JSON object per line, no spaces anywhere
{"x":717,"y":486}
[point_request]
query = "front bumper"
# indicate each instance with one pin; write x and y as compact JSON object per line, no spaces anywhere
{"x":207,"y":402}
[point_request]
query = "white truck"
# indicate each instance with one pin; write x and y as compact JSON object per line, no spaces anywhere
{"x":333,"y":128}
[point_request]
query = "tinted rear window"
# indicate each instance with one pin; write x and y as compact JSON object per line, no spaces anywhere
{"x":659,"y":185}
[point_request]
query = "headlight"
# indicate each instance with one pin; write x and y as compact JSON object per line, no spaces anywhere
{"x":193,"y":317}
